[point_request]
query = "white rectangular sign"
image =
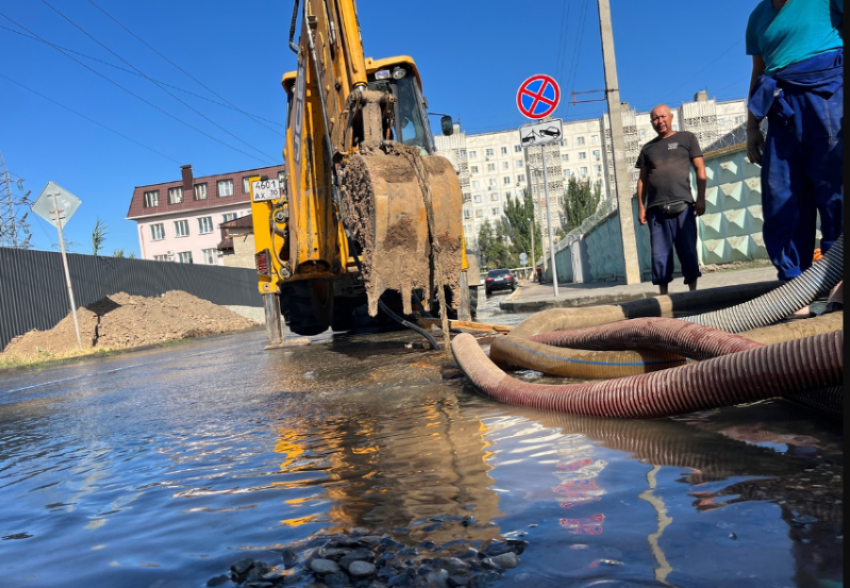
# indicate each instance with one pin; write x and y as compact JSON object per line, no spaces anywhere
{"x":541,"y":133}
{"x":264,"y":190}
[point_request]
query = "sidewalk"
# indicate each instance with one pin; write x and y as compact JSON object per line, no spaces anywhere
{"x":531,"y":296}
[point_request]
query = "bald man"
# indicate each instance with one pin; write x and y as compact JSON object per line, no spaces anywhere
{"x":665,"y":201}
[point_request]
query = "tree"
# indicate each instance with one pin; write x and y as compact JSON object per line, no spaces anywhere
{"x":501,"y":243}
{"x":98,"y":236}
{"x":118,"y":253}
{"x":581,"y":201}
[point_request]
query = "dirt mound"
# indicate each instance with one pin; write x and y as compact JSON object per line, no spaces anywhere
{"x":121,"y":321}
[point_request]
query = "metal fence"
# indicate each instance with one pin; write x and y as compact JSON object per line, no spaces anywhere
{"x":33,"y":292}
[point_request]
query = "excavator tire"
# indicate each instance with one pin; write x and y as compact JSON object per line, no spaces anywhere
{"x":404,"y":210}
{"x":304,"y":307}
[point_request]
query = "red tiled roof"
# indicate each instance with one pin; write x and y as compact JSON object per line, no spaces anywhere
{"x":137,"y":203}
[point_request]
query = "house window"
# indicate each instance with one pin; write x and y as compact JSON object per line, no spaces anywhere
{"x":160,"y":258}
{"x":495,"y":211}
{"x":157,"y":232}
{"x":184,"y":257}
{"x":675,"y":126}
{"x":281,"y":177}
{"x":739,"y":120}
{"x":642,"y":133}
{"x":580,"y":141}
{"x":506,"y":180}
{"x":518,"y":163}
{"x":474,"y":169}
{"x":467,"y":213}
{"x":520,"y":178}
{"x":504,"y":150}
{"x":181,"y":228}
{"x":151,"y":198}
{"x":228,"y":217}
{"x":564,"y":143}
{"x":479,"y":213}
{"x":721,"y":122}
{"x":582,"y":154}
{"x":175,"y":195}
{"x":476,"y":184}
{"x":491,"y":167}
{"x":594,"y":139}
{"x":473,"y":154}
{"x":205,"y":225}
{"x":201,"y":192}
{"x":565,"y":156}
{"x":567,"y":173}
{"x":488,"y":152}
{"x":209,"y":256}
{"x":582,"y":171}
{"x":225,"y":188}
{"x":461,"y":152}
{"x":494,"y":196}
{"x":477,"y":198}
{"x":492,"y":182}
{"x":505,"y":165}
{"x":596,"y":155}
{"x":517,"y":148}
{"x":246,"y":184}
{"x":597,"y":169}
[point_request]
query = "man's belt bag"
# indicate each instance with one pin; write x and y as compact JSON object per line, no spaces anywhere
{"x":673,"y":209}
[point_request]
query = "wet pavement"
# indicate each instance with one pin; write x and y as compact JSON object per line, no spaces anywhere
{"x":164,"y":467}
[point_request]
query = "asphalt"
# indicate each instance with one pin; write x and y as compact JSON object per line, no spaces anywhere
{"x":531,"y":296}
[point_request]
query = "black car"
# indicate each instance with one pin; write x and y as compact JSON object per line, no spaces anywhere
{"x":499,"y":279}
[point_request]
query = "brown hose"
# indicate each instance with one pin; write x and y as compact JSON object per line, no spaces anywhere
{"x":748,"y":376}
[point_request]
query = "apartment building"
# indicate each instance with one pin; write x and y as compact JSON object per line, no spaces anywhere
{"x":493,"y":166}
{"x":180,"y":220}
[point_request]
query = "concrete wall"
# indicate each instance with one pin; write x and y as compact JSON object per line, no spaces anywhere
{"x":243,"y":252}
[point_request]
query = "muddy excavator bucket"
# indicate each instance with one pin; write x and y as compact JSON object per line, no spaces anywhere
{"x":404,"y":210}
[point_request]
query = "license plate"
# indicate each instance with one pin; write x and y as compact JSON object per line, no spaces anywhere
{"x":500,"y":279}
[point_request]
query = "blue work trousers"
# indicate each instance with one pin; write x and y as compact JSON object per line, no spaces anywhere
{"x":665,"y":233}
{"x":802,"y":174}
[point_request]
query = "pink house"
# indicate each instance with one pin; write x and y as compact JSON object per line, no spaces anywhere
{"x":179,"y":221}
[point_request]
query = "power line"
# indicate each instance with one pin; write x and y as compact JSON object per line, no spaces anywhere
{"x":577,"y":53}
{"x":130,"y":71}
{"x":193,"y":109}
{"x":190,"y":76}
{"x":111,"y":130}
{"x":134,"y":95}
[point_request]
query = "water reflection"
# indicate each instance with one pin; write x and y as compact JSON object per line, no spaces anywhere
{"x":730,"y":457}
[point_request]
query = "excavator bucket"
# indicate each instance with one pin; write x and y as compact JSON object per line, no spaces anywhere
{"x":404,"y":210}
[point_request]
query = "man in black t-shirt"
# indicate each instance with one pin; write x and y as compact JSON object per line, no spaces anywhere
{"x":665,"y":202}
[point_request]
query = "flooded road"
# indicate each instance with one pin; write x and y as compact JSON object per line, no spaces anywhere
{"x":163,"y":467}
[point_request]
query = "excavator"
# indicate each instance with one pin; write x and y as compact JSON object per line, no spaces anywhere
{"x":367,"y":215}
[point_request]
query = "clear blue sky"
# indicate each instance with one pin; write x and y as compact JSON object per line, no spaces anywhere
{"x":472,"y":55}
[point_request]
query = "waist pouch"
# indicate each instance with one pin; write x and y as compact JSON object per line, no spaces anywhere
{"x":674,"y":208}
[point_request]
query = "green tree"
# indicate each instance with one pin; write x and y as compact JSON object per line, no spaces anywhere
{"x":580,"y":200}
{"x":98,"y":236}
{"x":501,"y":243}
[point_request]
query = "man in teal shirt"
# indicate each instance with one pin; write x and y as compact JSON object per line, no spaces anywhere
{"x":798,"y":84}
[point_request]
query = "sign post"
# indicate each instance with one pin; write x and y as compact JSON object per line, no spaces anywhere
{"x":537,"y":98}
{"x":49,"y":200}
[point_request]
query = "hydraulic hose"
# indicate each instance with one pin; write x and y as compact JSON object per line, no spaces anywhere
{"x":782,"y":302}
{"x":748,"y":376}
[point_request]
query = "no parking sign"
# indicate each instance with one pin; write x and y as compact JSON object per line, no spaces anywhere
{"x":538,"y":96}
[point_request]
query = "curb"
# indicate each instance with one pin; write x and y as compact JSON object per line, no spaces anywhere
{"x":596,"y":300}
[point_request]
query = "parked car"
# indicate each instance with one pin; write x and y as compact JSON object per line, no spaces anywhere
{"x":499,"y":279}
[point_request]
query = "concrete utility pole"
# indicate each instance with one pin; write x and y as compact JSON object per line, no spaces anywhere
{"x":621,"y":169}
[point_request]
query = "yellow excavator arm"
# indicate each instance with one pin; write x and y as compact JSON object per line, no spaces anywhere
{"x":366,"y":206}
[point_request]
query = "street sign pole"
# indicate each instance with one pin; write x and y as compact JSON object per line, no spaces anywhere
{"x":533,"y":262}
{"x":67,"y":273}
{"x":549,"y":221}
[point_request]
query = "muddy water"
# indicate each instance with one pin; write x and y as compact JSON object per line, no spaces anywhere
{"x":161,"y":468}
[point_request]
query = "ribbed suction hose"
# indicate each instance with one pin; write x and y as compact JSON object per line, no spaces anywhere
{"x":774,"y":306}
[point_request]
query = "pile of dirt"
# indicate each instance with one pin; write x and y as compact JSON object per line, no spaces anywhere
{"x":121,"y":321}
